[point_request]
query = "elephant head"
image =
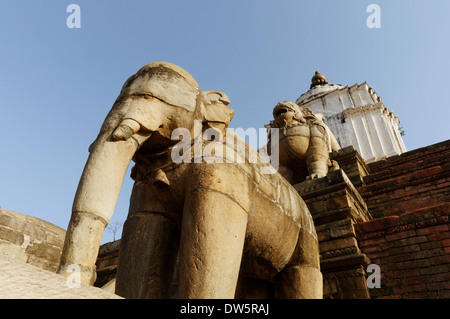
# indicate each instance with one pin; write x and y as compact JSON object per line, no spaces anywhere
{"x":159,"y":98}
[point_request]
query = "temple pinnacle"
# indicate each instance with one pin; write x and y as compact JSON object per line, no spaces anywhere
{"x":318,"y":79}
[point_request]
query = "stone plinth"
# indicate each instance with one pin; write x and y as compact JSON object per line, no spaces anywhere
{"x":336,"y":207}
{"x":352,"y":163}
{"x":106,"y":264}
{"x":30,"y":240}
{"x":25,"y":281}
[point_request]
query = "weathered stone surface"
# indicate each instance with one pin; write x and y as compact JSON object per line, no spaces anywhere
{"x":338,"y":244}
{"x":25,"y":281}
{"x":334,"y":230}
{"x":304,"y":142}
{"x":106,"y":264}
{"x":227,"y":219}
{"x":333,"y":197}
{"x":352,"y":163}
{"x":336,"y":207}
{"x":346,"y":284}
{"x":31,"y":240}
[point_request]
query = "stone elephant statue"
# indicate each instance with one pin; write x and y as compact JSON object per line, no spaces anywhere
{"x":230,"y":222}
{"x":304,"y":142}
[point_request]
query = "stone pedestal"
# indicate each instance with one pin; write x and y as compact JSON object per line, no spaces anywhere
{"x":106,"y":264}
{"x":30,"y":240}
{"x":336,"y":207}
{"x":352,"y":163}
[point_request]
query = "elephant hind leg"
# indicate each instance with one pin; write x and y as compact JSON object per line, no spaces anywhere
{"x":300,"y":282}
{"x":254,"y":288}
{"x":301,"y":278}
{"x":147,"y":255}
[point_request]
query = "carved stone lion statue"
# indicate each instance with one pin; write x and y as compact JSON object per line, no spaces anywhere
{"x":304,"y":142}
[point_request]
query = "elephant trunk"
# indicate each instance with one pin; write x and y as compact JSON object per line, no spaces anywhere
{"x":94,"y":203}
{"x":141,"y":108}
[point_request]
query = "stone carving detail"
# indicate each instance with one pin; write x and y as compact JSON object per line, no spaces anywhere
{"x":304,"y":143}
{"x":230,"y":223}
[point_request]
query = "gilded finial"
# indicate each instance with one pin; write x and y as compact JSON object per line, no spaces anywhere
{"x":318,"y":79}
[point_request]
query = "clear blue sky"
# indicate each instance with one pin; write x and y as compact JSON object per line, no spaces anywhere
{"x":57,"y":84}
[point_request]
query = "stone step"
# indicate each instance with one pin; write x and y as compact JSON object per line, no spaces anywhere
{"x":19,"y":280}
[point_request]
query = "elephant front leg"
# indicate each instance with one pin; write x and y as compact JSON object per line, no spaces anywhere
{"x":212,"y":240}
{"x":148,"y":251}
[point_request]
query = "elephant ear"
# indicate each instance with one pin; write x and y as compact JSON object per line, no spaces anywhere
{"x":215,"y":108}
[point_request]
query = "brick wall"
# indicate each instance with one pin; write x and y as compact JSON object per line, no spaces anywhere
{"x":409,"y":181}
{"x":413,"y":252}
{"x":409,"y":238}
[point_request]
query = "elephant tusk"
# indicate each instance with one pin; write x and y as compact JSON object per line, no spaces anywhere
{"x":125,"y":130}
{"x":160,"y":176}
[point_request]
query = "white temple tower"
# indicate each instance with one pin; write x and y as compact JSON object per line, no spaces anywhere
{"x":357,"y":116}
